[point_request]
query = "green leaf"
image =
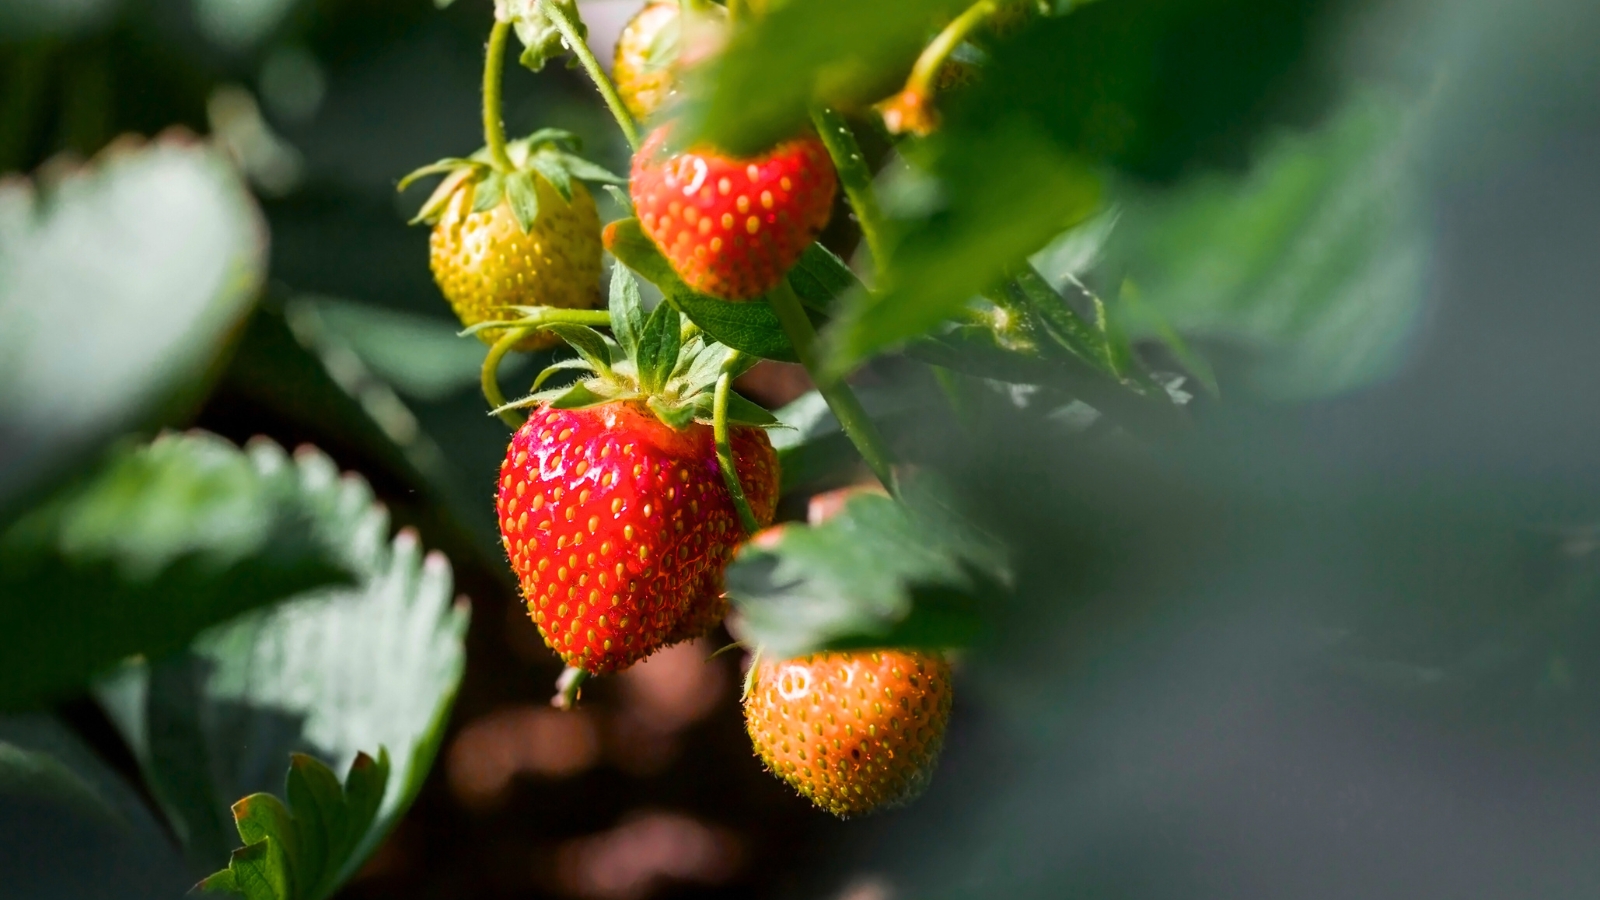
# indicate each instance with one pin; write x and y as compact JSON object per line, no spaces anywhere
{"x":745,"y":412}
{"x":162,"y":542}
{"x":327,"y":673}
{"x":120,"y":286}
{"x":659,"y":344}
{"x":541,"y":39}
{"x":583,"y":169}
{"x":839,"y":52}
{"x":820,"y":278}
{"x":566,"y":365}
{"x":421,"y":357}
{"x":577,"y":396}
{"x":1310,"y":268}
{"x":988,"y":217}
{"x":488,"y":192}
{"x":750,"y":327}
{"x":677,"y":416}
{"x":587,"y":342}
{"x":552,"y":170}
{"x":303,"y":850}
{"x":627,"y":310}
{"x":524,"y":199}
{"x":879,"y":573}
{"x":73,"y":827}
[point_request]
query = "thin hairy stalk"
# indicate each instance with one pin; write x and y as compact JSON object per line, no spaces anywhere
{"x":847,"y":408}
{"x":494,"y":127}
{"x":725,"y":461}
{"x":608,"y":91}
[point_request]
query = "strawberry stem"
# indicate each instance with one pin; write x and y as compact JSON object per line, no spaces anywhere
{"x":719,"y":428}
{"x":494,"y":127}
{"x":925,"y":74}
{"x":580,"y":49}
{"x":847,"y":408}
{"x":854,"y":175}
{"x":569,"y":687}
{"x":489,"y":377}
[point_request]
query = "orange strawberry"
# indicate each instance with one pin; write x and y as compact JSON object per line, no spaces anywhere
{"x":852,"y":731}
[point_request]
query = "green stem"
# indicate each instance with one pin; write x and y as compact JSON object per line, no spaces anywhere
{"x":494,"y":128}
{"x":725,"y":461}
{"x":575,"y":42}
{"x":857,"y":425}
{"x":925,"y":74}
{"x":569,"y":687}
{"x":489,"y":377}
{"x":854,"y":175}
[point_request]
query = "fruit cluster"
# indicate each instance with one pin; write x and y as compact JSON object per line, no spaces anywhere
{"x":624,"y":495}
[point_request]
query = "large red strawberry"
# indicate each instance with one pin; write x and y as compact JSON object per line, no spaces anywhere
{"x":612,"y":507}
{"x":853,"y":731}
{"x":733,"y":228}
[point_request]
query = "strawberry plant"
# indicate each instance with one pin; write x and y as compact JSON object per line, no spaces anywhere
{"x":954,"y":448}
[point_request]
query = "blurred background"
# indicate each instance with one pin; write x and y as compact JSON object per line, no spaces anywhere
{"x":1340,"y":638}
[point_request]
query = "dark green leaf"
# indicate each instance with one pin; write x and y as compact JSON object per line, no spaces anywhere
{"x":820,"y":278}
{"x":72,"y":826}
{"x":588,"y":342}
{"x":91,"y":351}
{"x":744,"y":412}
{"x":840,"y":52}
{"x":523,"y":197}
{"x":750,"y":327}
{"x":164,"y":541}
{"x":263,"y":819}
{"x":659,"y":344}
{"x":627,"y":310}
{"x":327,"y":673}
{"x":879,"y":573}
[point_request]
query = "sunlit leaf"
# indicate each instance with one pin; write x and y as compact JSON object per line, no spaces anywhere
{"x":164,"y":541}
{"x":119,"y":286}
{"x":329,"y":673}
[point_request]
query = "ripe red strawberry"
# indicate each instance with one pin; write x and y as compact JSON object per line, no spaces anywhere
{"x":619,"y":527}
{"x":852,"y":731}
{"x":613,"y":509}
{"x":733,"y":228}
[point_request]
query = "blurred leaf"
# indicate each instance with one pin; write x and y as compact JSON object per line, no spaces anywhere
{"x":420,"y":356}
{"x":820,"y":278}
{"x":119,"y":286}
{"x":1313,"y":264}
{"x":839,"y":52}
{"x":326,"y":674}
{"x":302,"y":850}
{"x":750,"y":327}
{"x":70,"y":827}
{"x":879,"y":573}
{"x":166,"y":540}
{"x":986,"y":215}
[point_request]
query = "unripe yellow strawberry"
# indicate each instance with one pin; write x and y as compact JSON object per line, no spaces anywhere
{"x":852,"y":731}
{"x":645,"y":66}
{"x":524,"y":232}
{"x":485,"y":264}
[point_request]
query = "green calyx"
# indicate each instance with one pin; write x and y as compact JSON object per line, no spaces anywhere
{"x":549,"y":154}
{"x":653,"y":359}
